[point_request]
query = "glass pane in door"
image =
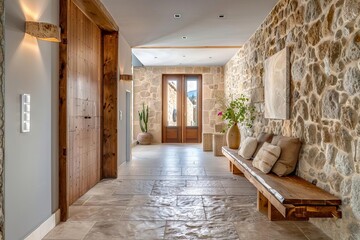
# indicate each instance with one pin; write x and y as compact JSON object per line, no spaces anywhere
{"x":172,"y":103}
{"x":191,"y":102}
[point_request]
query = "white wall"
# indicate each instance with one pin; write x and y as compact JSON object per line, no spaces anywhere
{"x":125,"y":56}
{"x":125,"y":65}
{"x":31,"y":170}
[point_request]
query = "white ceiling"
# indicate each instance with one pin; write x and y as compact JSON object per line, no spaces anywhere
{"x":151,"y":24}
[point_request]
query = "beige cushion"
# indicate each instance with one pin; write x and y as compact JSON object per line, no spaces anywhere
{"x":276,"y":139}
{"x":263,"y":137}
{"x":267,"y":157}
{"x":248,"y":147}
{"x":290,"y":148}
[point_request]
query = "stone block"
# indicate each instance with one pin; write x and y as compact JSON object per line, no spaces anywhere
{"x":352,"y":80}
{"x":313,"y":10}
{"x":349,"y":117}
{"x":343,"y":164}
{"x":351,"y":10}
{"x":298,"y":70}
{"x":330,"y":105}
{"x":355,"y":195}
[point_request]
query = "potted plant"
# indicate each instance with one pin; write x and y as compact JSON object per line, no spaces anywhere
{"x":238,"y":111}
{"x":144,"y":138}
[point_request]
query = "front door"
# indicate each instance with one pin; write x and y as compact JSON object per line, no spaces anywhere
{"x":181,"y":109}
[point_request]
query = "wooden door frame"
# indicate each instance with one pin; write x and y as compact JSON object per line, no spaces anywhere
{"x":98,"y":14}
{"x":165,"y":104}
{"x":199,"y":78}
{"x":181,"y":117}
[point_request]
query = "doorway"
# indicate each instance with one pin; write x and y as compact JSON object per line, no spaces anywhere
{"x":128,"y":134}
{"x":182,"y":119}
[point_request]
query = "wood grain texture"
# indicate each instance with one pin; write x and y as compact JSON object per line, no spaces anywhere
{"x":293,"y":197}
{"x":84,"y":103}
{"x":97,"y":12}
{"x":110,"y":62}
{"x":63,"y":135}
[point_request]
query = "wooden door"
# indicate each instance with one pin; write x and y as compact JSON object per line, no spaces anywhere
{"x":84,"y":101}
{"x":182,"y":119}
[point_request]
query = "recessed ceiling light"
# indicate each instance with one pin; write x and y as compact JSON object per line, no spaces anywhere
{"x":184,"y":56}
{"x":177,"y":15}
{"x":155,"y":57}
{"x":184,"y":37}
{"x":221,"y":16}
{"x":210,"y":57}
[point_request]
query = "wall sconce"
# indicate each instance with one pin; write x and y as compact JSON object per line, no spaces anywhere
{"x":126,"y":77}
{"x":43,"y":31}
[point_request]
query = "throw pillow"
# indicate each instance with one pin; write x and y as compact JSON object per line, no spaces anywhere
{"x":248,"y":147}
{"x":263,"y":137}
{"x":267,"y":157}
{"x":276,"y":139}
{"x":290,"y":148}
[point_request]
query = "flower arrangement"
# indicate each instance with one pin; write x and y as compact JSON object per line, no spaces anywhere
{"x":239,"y":111}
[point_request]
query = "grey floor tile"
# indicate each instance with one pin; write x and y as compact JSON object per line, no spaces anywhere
{"x":70,"y":230}
{"x":200,"y":230}
{"x":228,"y":214}
{"x":153,"y":201}
{"x":96,"y":213}
{"x":127,"y":230}
{"x":189,"y":201}
{"x":229,"y":201}
{"x":204,"y":183}
{"x":164,"y":213}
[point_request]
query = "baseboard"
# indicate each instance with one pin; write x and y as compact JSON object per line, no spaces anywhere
{"x":45,"y":227}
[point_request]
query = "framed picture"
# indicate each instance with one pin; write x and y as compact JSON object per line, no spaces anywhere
{"x":277,"y":85}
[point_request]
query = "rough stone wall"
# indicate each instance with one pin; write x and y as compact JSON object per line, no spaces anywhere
{"x":148,"y":89}
{"x":324,"y":41}
{"x":2,"y":112}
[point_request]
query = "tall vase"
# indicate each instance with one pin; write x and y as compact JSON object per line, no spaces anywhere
{"x":233,"y":137}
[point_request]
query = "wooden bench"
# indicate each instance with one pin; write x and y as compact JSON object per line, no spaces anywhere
{"x":285,"y":198}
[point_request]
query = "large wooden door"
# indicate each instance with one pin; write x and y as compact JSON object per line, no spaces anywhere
{"x":181,"y":109}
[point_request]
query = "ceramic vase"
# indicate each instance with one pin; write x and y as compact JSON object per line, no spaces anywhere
{"x":233,"y":137}
{"x":144,"y":138}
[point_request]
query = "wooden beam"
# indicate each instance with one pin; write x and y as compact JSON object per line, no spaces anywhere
{"x":184,"y":47}
{"x":63,"y":78}
{"x":96,"y":12}
{"x":110,"y":78}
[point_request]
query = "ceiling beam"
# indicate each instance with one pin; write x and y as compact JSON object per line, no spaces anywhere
{"x":184,"y":47}
{"x":96,"y":12}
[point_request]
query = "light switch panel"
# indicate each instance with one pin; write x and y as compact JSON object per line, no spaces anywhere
{"x":25,"y":113}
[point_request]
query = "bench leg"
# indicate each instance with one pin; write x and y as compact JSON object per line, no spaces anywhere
{"x":262,"y":203}
{"x":264,"y":206}
{"x":274,"y":214}
{"x":236,"y":171}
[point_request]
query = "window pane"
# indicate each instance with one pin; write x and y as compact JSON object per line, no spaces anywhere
{"x":172,"y":103}
{"x":191,"y":103}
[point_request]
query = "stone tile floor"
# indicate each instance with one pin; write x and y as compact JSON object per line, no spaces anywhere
{"x":175,"y":192}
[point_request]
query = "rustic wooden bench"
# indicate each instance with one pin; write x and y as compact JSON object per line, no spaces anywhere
{"x":285,"y":198}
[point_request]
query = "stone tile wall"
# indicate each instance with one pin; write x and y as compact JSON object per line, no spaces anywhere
{"x":2,"y":116}
{"x":148,"y":89}
{"x":324,"y":40}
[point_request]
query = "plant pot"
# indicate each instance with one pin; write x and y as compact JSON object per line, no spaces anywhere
{"x":144,"y":138}
{"x":233,"y":137}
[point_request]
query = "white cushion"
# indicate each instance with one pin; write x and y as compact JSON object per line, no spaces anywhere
{"x":267,"y":157}
{"x":248,"y":147}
